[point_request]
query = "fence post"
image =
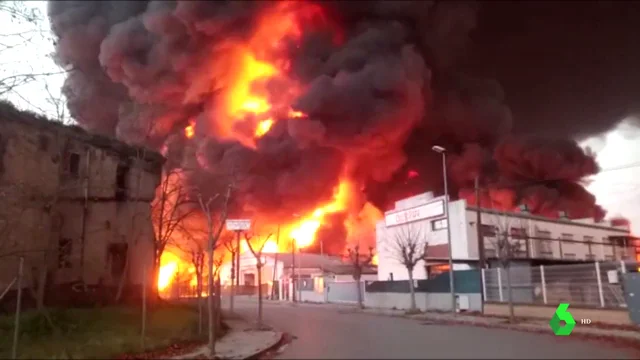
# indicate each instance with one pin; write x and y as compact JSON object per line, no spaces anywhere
{"x":500,"y":284}
{"x":144,"y":307}
{"x":599,"y":279}
{"x":544,"y":284}
{"x":16,"y":327}
{"x":484,"y":285}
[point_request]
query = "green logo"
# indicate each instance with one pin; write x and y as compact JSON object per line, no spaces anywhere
{"x":562,"y":314}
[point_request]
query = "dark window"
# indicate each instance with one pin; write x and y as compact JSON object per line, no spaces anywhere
{"x":64,"y":253}
{"x":518,"y":233}
{"x":249,"y":279}
{"x":121,"y":182}
{"x":488,"y":230}
{"x":72,"y":165}
{"x":3,"y":150}
{"x":43,"y":143}
{"x":118,"y":255}
{"x":439,"y":224}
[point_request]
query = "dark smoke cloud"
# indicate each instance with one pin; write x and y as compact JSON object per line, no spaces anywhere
{"x":377,"y":94}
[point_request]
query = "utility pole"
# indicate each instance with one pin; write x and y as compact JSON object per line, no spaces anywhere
{"x":479,"y":234}
{"x":293,"y":269}
{"x":481,"y":255}
{"x":275,"y":267}
{"x":237,"y":264}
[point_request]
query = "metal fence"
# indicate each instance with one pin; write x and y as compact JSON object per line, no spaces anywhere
{"x":593,"y":285}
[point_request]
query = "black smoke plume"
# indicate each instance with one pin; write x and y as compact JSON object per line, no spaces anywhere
{"x":380,"y":87}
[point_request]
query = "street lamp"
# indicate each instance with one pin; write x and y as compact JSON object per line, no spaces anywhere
{"x":443,"y":151}
{"x":299,"y":259}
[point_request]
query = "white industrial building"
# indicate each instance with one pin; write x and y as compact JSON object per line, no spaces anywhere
{"x":282,"y":271}
{"x":540,"y":240}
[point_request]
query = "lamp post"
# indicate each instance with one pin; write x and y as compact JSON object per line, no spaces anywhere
{"x":443,"y":151}
{"x":299,"y":283}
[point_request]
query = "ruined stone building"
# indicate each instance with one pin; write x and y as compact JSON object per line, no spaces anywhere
{"x":73,"y":204}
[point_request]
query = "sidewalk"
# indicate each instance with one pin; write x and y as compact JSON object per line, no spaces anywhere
{"x":242,"y":341}
{"x":629,"y":336}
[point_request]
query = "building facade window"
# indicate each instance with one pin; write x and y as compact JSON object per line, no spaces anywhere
{"x":543,"y":240}
{"x":438,"y":224}
{"x":589,"y":241}
{"x":43,"y":143}
{"x":488,"y":230}
{"x":72,"y":164}
{"x":122,"y":173}
{"x":64,"y":253}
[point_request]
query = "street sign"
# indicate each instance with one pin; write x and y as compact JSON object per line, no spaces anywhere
{"x":238,"y":224}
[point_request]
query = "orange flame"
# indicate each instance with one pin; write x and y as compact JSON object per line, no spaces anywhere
{"x":304,"y":233}
{"x":190,"y":130}
{"x":247,"y":69}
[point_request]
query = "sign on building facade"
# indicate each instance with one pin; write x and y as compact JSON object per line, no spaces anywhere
{"x":238,"y":224}
{"x":430,"y":210}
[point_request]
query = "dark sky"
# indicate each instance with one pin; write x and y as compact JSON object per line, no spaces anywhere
{"x":566,"y":66}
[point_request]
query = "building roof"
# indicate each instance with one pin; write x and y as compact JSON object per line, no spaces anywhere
{"x":8,"y":112}
{"x":332,"y":264}
{"x":590,"y":223}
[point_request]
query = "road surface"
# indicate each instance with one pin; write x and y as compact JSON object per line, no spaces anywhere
{"x":327,"y":332}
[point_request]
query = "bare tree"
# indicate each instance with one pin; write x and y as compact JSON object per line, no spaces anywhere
{"x":24,"y":30}
{"x":215,"y":224}
{"x":359,"y":262}
{"x":170,"y":211}
{"x":230,"y":244}
{"x":506,"y":236}
{"x":256,"y":250}
{"x":408,"y":245}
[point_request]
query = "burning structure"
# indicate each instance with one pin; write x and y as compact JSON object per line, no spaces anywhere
{"x":324,"y":109}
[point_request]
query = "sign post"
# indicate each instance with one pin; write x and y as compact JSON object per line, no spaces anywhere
{"x":237,"y":225}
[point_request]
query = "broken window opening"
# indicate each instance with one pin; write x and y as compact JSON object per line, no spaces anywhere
{"x":118,"y":255}
{"x":64,"y":253}
{"x":121,"y":182}
{"x":72,"y":165}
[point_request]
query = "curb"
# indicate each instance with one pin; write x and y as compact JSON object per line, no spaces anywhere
{"x":611,"y":340}
{"x":276,"y":344}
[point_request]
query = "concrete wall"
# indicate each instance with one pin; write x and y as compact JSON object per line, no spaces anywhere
{"x":341,"y":292}
{"x":424,"y":301}
{"x":43,"y":201}
{"x":387,"y":251}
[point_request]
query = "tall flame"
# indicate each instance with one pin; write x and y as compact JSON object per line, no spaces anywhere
{"x":247,"y":108}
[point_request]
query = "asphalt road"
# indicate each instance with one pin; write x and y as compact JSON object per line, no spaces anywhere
{"x":331,"y":332}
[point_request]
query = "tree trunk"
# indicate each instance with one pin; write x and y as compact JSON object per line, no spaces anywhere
{"x":233,"y":280}
{"x":259,"y":267}
{"x":199,"y":290}
{"x":123,"y":277}
{"x":210,"y":302}
{"x":512,"y":316}
{"x":218,"y":304}
{"x":412,"y":290}
{"x":359,"y":289}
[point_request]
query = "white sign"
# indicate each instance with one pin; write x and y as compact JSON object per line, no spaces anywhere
{"x":421,"y":212}
{"x":235,"y":225}
{"x":414,"y":201}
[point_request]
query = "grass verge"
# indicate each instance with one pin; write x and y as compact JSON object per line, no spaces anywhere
{"x":97,"y":333}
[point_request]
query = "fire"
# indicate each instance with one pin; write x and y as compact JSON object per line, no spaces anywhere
{"x":190,"y":130}
{"x":374,"y":260}
{"x":304,"y":233}
{"x":168,"y":269}
{"x":249,"y":68}
{"x":264,"y":127}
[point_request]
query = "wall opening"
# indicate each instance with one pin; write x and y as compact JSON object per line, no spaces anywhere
{"x":121,"y":182}
{"x":64,"y":253}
